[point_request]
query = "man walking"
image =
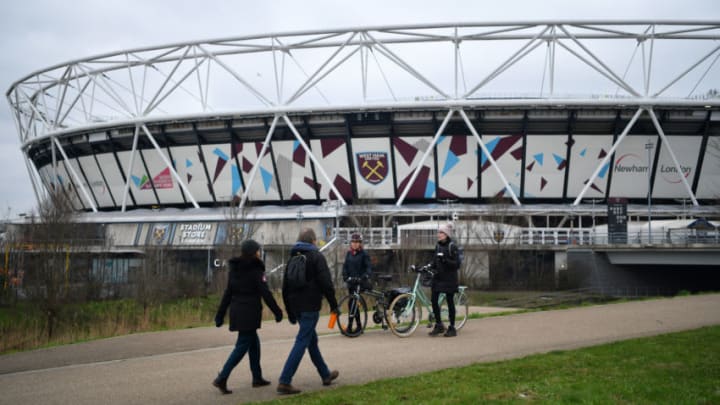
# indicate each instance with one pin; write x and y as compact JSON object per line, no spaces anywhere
{"x":303,"y":300}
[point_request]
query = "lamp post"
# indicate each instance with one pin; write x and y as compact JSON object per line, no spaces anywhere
{"x":649,"y":147}
{"x":593,"y":201}
{"x":299,"y":218}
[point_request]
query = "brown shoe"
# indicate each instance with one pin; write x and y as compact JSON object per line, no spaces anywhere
{"x":221,"y":385}
{"x":287,"y":389}
{"x":329,"y":379}
{"x":260,"y":383}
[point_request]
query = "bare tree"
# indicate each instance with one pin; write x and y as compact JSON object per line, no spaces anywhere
{"x":100,"y":282}
{"x":361,"y":216}
{"x":496,"y":232}
{"x":50,"y":242}
{"x":407,"y":255}
{"x":236,"y":228}
{"x":154,"y":281}
{"x":10,"y":263}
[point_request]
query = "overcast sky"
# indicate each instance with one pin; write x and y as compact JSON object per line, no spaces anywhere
{"x":35,"y":34}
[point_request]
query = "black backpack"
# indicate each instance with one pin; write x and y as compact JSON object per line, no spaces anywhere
{"x":460,"y":253}
{"x":295,"y":272}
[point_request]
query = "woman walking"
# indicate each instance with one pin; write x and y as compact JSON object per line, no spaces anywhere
{"x":246,"y":286}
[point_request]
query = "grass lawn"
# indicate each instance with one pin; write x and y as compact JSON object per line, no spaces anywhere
{"x":678,"y":368}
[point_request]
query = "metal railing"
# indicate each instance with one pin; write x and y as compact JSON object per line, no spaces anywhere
{"x":371,"y":236}
{"x":516,"y":238}
{"x":536,"y":237}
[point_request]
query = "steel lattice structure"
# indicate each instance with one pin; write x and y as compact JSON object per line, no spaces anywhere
{"x":97,"y":126}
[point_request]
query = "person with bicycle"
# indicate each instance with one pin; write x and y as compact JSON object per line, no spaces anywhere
{"x":356,"y":273}
{"x":445,"y":265}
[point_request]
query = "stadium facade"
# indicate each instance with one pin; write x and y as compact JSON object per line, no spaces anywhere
{"x":549,"y":120}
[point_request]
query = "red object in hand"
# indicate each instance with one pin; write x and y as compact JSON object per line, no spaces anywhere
{"x":333,"y":319}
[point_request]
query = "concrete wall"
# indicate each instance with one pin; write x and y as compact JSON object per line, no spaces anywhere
{"x":590,"y":269}
{"x":475,"y":271}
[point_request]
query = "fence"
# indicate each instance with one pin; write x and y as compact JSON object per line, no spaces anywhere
{"x":536,"y":237}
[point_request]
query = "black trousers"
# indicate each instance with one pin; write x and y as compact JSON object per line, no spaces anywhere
{"x":450,"y":299}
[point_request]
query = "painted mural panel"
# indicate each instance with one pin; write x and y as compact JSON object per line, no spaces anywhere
{"x":188,"y":165}
{"x":166,"y":185}
{"x":408,"y":153}
{"x":46,"y":177}
{"x":60,"y":177}
{"x":709,"y":183}
{"x":294,"y":171}
{"x":332,"y":154}
{"x":103,"y":197}
{"x":630,"y":169}
{"x":77,"y":184}
{"x":545,"y":164}
{"x":457,"y":162}
{"x":114,"y":178}
{"x":586,"y":154}
{"x":373,"y":169}
{"x":507,"y":150}
{"x":76,"y":195}
{"x":81,"y":182}
{"x":224,"y":177}
{"x":264,"y":186}
{"x":668,"y":183}
{"x":139,"y":179}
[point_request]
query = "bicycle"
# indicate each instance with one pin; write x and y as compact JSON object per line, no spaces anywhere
{"x":353,"y":322}
{"x":406,"y":309}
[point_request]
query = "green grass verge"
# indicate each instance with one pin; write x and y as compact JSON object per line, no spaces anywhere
{"x":24,"y":326}
{"x":678,"y":368}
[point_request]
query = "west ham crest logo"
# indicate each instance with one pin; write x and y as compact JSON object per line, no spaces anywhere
{"x":160,"y":233}
{"x":373,"y":166}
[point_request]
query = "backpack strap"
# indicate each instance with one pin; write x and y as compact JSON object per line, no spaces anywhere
{"x":450,"y":249}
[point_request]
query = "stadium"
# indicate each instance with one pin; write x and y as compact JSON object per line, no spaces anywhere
{"x":588,"y":151}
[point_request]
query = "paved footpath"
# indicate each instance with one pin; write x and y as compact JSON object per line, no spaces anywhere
{"x":176,"y":367}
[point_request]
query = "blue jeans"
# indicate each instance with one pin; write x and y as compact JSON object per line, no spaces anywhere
{"x":247,"y":342}
{"x":306,"y":338}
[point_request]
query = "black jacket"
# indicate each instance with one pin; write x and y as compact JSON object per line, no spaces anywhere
{"x":246,"y":285}
{"x":357,"y":265}
{"x":309,"y":299}
{"x":446,"y":268}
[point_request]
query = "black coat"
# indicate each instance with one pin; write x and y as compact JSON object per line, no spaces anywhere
{"x":246,"y":285}
{"x":446,"y":268}
{"x":320,"y":284}
{"x":357,"y":265}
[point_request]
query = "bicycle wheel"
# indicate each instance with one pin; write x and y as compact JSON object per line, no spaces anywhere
{"x":353,"y":317}
{"x":403,"y":315}
{"x":461,"y":310}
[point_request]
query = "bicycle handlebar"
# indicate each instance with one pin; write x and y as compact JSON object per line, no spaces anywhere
{"x":422,"y":269}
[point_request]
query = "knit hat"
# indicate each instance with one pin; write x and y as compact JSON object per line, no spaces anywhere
{"x":249,"y":247}
{"x":356,"y":237}
{"x":446,"y":229}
